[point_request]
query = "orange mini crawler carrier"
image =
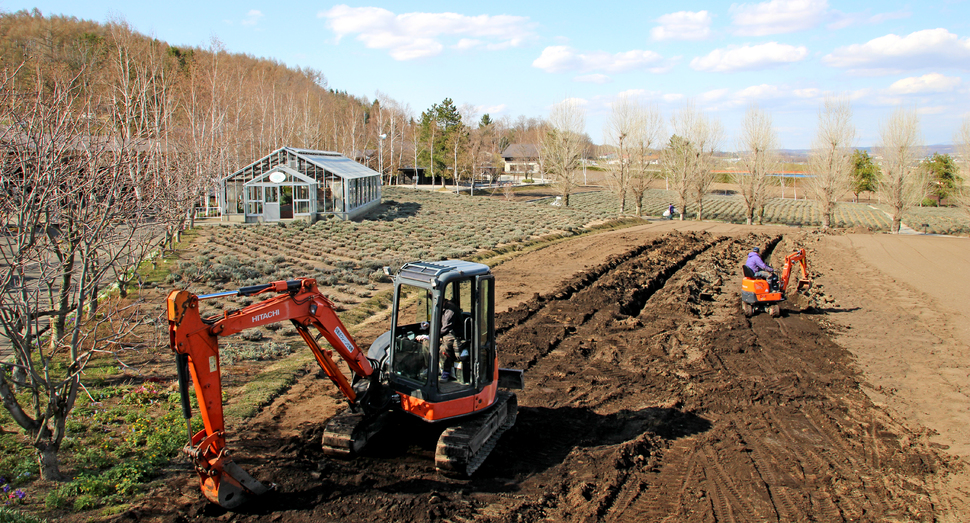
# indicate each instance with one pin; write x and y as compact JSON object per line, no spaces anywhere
{"x":768,"y":294}
{"x":399,"y":373}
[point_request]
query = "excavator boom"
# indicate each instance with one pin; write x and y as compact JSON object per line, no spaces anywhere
{"x":804,"y":282}
{"x":195,"y":341}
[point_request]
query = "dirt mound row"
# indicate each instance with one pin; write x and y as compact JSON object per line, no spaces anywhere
{"x":687,"y":411}
{"x":649,"y":397}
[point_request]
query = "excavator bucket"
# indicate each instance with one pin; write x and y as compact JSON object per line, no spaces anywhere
{"x":803,"y":285}
{"x":233,"y":487}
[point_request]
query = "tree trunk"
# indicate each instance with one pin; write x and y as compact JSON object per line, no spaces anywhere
{"x":50,"y":467}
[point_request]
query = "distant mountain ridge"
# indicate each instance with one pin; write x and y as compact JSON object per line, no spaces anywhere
{"x":795,"y":154}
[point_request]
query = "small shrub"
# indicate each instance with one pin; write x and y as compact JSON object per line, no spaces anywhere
{"x":56,"y":499}
{"x":378,"y":276}
{"x":252,"y":335}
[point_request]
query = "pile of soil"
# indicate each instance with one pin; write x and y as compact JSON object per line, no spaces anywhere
{"x":649,"y":397}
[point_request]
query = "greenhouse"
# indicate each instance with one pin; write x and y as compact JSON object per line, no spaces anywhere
{"x":301,"y":184}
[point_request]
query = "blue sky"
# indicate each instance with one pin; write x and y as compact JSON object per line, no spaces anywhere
{"x":520,"y":58}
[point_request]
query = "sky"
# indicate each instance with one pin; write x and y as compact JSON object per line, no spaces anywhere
{"x":511,"y":59}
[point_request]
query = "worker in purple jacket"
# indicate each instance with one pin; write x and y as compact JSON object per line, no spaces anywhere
{"x":760,"y":269}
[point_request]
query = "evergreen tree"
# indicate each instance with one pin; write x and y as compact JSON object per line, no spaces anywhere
{"x":865,"y":173}
{"x":943,"y":177}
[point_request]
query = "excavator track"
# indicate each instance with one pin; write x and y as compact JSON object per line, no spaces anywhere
{"x":463,"y":448}
{"x":348,"y":432}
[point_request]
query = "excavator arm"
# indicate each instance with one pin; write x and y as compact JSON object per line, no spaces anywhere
{"x":195,"y":341}
{"x":798,"y":257}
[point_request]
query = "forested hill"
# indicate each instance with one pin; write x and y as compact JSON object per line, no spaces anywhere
{"x":241,"y":105}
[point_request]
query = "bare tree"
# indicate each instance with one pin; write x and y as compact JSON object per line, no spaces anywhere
{"x":475,"y":139}
{"x":903,"y":182}
{"x":830,"y":161}
{"x":675,"y":160}
{"x":621,"y":125}
{"x":758,"y":144}
{"x":68,"y":192}
{"x":562,"y":145}
{"x":648,"y":132}
{"x":689,"y":160}
{"x":962,"y":141}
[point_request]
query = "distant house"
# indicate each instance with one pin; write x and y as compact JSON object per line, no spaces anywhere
{"x":300,"y":184}
{"x":521,"y":159}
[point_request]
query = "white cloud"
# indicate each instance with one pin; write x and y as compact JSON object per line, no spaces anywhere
{"x":842,"y":20}
{"x":810,"y":93}
{"x":490,"y":109}
{"x":683,"y":25}
{"x":777,"y":16}
{"x":760,"y":92}
{"x":415,"y":35}
{"x":252,"y":17}
{"x":638,"y":94}
{"x":928,"y":83}
{"x":749,"y":57}
{"x":595,"y":78}
{"x":467,"y":43}
{"x":714,"y":95}
{"x":893,"y":53}
{"x":561,"y":59}
{"x":672,"y":97}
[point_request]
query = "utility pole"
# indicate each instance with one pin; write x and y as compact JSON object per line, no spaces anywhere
{"x":380,"y":153}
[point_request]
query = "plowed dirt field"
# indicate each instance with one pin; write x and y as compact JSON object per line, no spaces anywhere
{"x":650,"y":397}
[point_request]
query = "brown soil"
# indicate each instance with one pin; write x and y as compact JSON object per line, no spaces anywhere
{"x":650,"y":397}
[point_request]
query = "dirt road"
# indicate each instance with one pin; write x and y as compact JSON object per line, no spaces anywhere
{"x":650,"y":397}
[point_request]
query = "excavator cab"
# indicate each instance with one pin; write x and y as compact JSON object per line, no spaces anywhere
{"x":416,"y":361}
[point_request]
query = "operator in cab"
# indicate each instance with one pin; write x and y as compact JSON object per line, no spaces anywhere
{"x":760,"y":269}
{"x":450,"y":317}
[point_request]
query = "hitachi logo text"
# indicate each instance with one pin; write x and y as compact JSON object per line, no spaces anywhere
{"x":266,"y":315}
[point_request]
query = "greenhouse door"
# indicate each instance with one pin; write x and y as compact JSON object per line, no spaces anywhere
{"x":271,"y":208}
{"x":286,"y":201}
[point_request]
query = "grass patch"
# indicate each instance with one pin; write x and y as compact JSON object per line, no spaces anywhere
{"x":9,"y":515}
{"x":262,"y":389}
{"x":156,"y":270}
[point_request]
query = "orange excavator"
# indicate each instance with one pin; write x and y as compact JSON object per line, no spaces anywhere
{"x":402,"y":371}
{"x":767,"y":294}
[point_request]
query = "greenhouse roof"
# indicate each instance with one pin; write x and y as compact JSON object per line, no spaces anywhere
{"x":333,"y":162}
{"x":338,"y":164}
